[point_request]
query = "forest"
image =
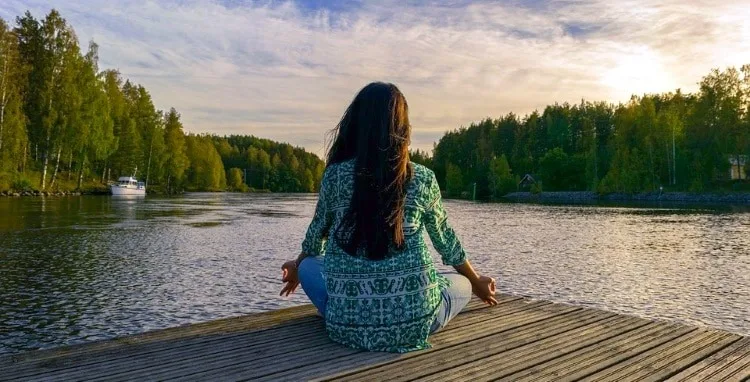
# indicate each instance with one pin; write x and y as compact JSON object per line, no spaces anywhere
{"x":672,"y":142}
{"x":67,"y":125}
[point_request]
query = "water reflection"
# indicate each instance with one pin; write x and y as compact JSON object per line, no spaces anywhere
{"x":83,"y":268}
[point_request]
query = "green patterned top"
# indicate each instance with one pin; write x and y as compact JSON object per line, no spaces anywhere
{"x":386,"y":305}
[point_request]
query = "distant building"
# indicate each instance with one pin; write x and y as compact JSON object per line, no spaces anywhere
{"x":737,"y":168}
{"x":526,"y":182}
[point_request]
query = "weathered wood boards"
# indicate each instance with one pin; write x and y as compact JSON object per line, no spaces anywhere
{"x":518,"y":340}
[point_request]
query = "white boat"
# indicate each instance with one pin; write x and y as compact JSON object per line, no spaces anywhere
{"x":128,"y":185}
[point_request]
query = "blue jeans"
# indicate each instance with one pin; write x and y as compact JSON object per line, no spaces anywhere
{"x":454,"y":299}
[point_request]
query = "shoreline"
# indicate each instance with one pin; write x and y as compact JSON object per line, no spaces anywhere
{"x":520,"y":197}
{"x":671,"y":197}
{"x":100,"y":192}
{"x":14,"y":194}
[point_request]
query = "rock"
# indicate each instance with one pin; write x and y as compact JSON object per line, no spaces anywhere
{"x":16,"y":194}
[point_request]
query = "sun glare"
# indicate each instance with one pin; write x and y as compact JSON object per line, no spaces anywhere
{"x":638,"y":72}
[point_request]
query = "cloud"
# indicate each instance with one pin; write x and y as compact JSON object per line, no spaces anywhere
{"x":287,"y":70}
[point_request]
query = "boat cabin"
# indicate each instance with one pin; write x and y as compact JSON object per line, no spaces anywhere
{"x":130,"y":182}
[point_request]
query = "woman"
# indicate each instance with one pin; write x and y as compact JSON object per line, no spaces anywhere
{"x":364,"y":262}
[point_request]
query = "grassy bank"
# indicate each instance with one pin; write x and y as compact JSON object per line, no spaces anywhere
{"x":29,"y":182}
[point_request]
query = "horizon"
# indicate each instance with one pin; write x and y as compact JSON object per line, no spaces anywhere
{"x":287,"y":70}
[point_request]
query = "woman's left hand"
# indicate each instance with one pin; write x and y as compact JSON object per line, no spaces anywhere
{"x":484,"y":288}
{"x":290,"y":277}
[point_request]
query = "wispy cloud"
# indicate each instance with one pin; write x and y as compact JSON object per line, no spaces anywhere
{"x":286,"y":70}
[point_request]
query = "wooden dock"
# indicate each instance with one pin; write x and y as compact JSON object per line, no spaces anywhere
{"x":518,"y":340}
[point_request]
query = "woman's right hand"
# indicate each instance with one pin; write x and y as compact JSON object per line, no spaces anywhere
{"x":290,"y":278}
{"x":484,"y":288}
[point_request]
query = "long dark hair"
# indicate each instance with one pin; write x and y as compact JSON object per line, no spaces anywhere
{"x":374,"y":131}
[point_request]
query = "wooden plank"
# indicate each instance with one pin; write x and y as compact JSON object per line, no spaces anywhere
{"x":734,"y":360}
{"x":325,"y":356}
{"x":47,"y":365}
{"x":742,"y":374}
{"x":589,"y":360}
{"x":192,"y":344}
{"x":667,"y":368}
{"x":489,"y":366}
{"x":485,"y":315}
{"x":493,"y":325}
{"x":520,"y":339}
{"x":340,"y":359}
{"x":230,"y":354}
{"x":663,"y":361}
{"x":469,"y":343}
{"x":363,"y":360}
{"x":147,"y":364}
{"x":258,"y":321}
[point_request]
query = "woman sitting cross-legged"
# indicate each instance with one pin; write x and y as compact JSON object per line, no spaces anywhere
{"x":364,"y":262}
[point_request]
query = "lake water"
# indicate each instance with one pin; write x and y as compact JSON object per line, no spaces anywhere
{"x":78,"y":269}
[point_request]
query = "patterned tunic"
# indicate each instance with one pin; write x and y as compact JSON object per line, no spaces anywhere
{"x":386,"y":305}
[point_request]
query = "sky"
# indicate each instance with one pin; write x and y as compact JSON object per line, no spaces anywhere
{"x":286,"y":70}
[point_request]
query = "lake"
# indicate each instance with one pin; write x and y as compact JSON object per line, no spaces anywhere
{"x":77,"y":269}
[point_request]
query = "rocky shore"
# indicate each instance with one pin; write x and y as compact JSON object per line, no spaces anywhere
{"x":48,"y":193}
{"x":673,"y":197}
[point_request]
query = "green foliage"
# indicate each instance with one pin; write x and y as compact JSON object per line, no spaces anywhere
{"x":675,"y":140}
{"x":177,"y":161}
{"x":553,"y":168}
{"x":420,"y":157}
{"x":454,"y":185}
{"x":500,"y":178}
{"x":21,"y":184}
{"x":13,"y":138}
{"x":271,"y":165}
{"x":629,"y":173}
{"x":206,"y":171}
{"x":235,"y":181}
{"x":536,"y":188}
{"x":60,"y":115}
{"x":561,"y":171}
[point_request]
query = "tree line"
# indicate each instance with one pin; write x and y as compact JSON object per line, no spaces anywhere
{"x":671,"y":141}
{"x":66,"y":124}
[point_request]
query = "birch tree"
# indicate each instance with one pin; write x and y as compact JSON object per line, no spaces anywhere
{"x":13,"y":138}
{"x":47,"y":47}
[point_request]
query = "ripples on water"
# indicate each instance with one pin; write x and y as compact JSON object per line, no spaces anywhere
{"x":86,"y":268}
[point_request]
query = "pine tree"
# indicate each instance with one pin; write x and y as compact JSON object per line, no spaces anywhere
{"x":176,"y":159}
